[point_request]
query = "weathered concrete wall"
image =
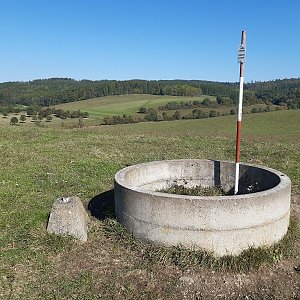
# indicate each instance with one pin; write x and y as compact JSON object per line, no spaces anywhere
{"x":221,"y":224}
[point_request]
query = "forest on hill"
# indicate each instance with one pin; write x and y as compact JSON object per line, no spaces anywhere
{"x":49,"y":92}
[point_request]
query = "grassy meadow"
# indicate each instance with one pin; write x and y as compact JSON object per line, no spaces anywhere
{"x":100,"y":107}
{"x":124,"y":104}
{"x":40,"y":164}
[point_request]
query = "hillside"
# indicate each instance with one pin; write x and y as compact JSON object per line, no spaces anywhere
{"x":124,"y":104}
{"x":46,"y":92}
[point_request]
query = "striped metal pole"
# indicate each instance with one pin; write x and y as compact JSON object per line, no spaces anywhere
{"x":241,"y":60}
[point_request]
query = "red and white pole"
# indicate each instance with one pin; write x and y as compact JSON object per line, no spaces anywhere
{"x":241,"y":60}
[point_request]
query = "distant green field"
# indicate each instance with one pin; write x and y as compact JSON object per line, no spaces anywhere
{"x":130,"y":104}
{"x":124,"y":104}
{"x":100,"y":107}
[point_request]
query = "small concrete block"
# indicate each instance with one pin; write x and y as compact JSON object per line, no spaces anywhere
{"x":68,"y":216}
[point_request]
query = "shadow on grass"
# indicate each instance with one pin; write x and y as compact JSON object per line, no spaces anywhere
{"x":102,"y":206}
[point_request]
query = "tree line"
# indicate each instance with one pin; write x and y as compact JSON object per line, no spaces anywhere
{"x":53,"y":91}
{"x":39,"y":113}
{"x":47,"y":92}
{"x":155,"y":115}
{"x":220,"y":102}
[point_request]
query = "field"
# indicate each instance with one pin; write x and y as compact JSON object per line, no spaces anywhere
{"x":40,"y":164}
{"x":124,"y":104}
{"x":100,"y":107}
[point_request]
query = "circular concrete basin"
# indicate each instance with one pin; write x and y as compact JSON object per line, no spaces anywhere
{"x":258,"y":216}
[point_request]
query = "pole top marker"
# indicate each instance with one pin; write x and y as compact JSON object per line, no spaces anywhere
{"x":242,"y":49}
{"x":242,"y":54}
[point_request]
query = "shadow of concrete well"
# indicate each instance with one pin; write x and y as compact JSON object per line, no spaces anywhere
{"x":102,"y":206}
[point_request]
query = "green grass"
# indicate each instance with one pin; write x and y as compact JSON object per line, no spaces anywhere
{"x":123,"y":104}
{"x":100,"y":107}
{"x":195,"y":258}
{"x":40,"y":164}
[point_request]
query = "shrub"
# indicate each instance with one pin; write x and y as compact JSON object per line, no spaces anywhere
{"x":177,"y":115}
{"x":49,"y":118}
{"x":212,"y":113}
{"x":23,"y":118}
{"x":142,"y":110}
{"x":14,"y":121}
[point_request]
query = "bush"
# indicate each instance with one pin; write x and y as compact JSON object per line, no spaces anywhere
{"x":212,"y":113}
{"x":142,"y":110}
{"x":206,"y":102}
{"x":23,"y":118}
{"x":177,"y":115}
{"x":85,"y":114}
{"x":152,"y":115}
{"x":14,"y":121}
{"x":49,"y":118}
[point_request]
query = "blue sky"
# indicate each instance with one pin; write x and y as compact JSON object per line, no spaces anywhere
{"x":148,"y":39}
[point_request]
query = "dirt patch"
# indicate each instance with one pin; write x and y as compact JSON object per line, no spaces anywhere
{"x":280,"y":281}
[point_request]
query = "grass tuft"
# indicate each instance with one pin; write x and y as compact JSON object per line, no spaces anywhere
{"x":184,"y":258}
{"x":195,"y":191}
